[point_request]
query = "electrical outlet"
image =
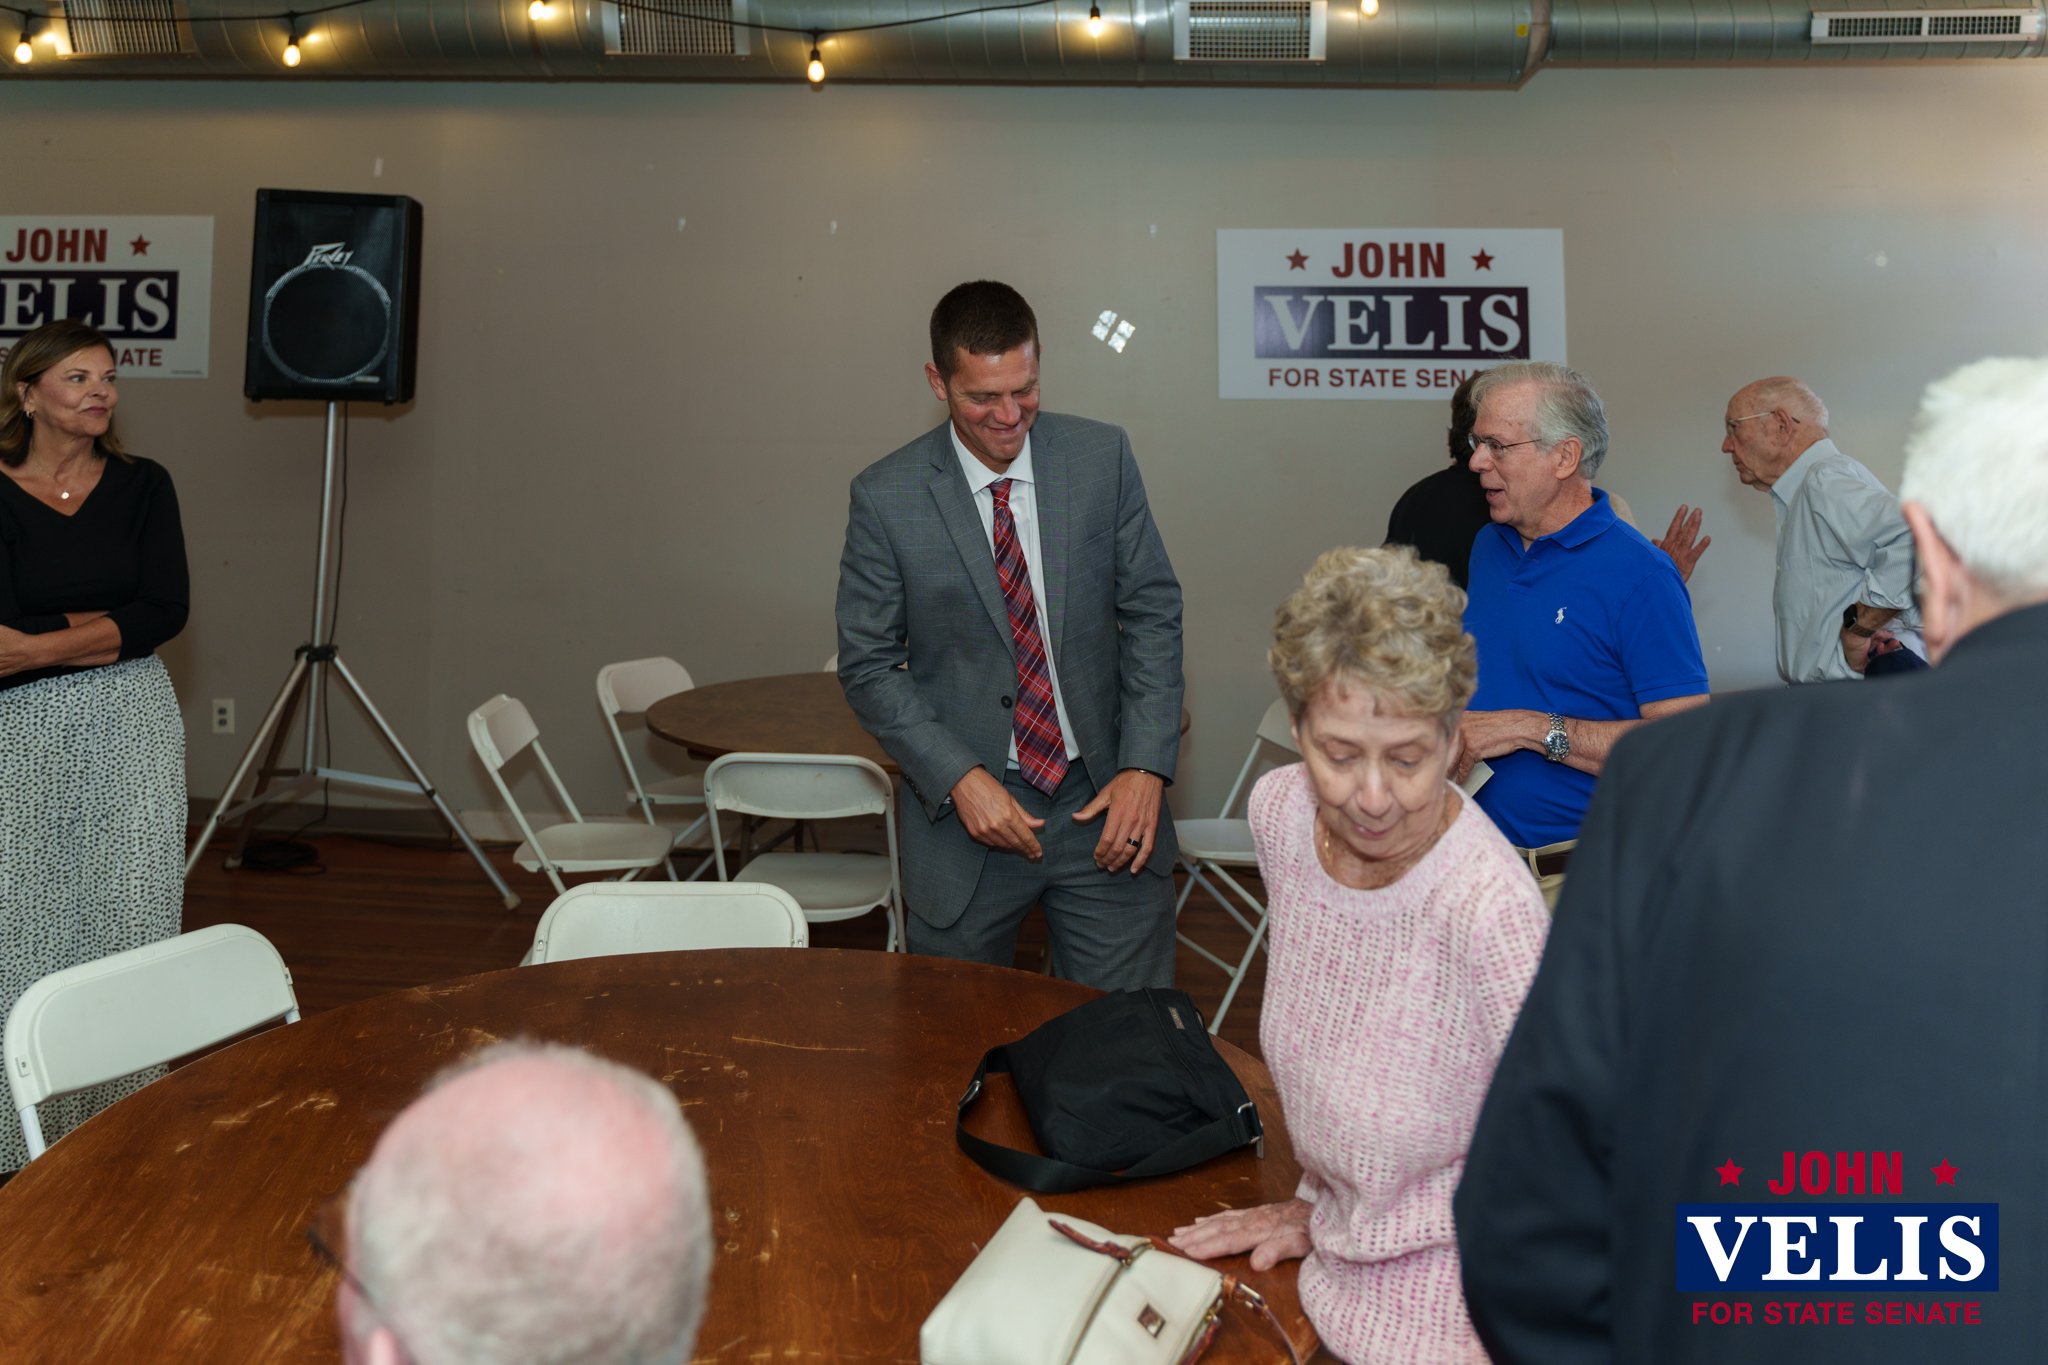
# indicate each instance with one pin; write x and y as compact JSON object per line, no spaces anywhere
{"x":223,"y":715}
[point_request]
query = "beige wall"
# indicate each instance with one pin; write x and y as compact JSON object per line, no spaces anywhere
{"x":663,"y":325}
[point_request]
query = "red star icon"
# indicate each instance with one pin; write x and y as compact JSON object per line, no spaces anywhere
{"x":1482,"y":261}
{"x":1730,"y":1173}
{"x":1296,"y":260}
{"x":1944,"y":1174}
{"x":140,"y":246}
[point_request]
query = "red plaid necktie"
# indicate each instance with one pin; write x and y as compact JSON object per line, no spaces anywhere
{"x":1041,"y":748}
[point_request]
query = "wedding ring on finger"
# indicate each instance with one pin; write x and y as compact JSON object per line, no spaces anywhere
{"x":1135,"y":843}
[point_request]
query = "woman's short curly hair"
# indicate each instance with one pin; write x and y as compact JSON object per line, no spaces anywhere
{"x":1384,"y":620}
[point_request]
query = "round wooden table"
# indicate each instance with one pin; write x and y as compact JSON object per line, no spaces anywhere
{"x":792,"y":713}
{"x":822,"y":1085}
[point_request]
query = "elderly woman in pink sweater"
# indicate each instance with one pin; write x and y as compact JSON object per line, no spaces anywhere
{"x":1405,"y":932}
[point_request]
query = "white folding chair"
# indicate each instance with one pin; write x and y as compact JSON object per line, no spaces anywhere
{"x":600,"y":919}
{"x":628,"y":689}
{"x":810,"y":787}
{"x":102,"y":1020}
{"x":501,"y":730}
{"x":1209,"y":849}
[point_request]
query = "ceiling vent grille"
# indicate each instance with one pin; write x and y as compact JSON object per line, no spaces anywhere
{"x":1250,"y":30}
{"x":1927,"y":26}
{"x":122,"y":28}
{"x":679,"y":28}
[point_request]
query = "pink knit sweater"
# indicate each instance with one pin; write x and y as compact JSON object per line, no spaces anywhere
{"x":1385,"y":1013}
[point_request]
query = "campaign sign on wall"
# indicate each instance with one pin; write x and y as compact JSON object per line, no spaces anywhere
{"x":1382,"y":312}
{"x":147,"y":282}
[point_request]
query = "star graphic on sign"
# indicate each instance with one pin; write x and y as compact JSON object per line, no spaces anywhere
{"x":1730,"y":1173}
{"x":140,"y":246}
{"x":1296,"y":260}
{"x":1944,"y":1174}
{"x":1481,"y":261}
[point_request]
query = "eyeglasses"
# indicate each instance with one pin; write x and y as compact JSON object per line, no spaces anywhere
{"x":324,"y":1234}
{"x":1496,"y":449}
{"x":1734,"y":422}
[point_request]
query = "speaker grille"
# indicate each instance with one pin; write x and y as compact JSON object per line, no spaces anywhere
{"x":123,"y":28}
{"x":678,"y":28}
{"x":1251,"y":30}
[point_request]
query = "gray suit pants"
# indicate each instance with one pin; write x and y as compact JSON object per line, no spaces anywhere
{"x":1107,"y":929}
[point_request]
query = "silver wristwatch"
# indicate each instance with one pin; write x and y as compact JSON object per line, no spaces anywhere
{"x":1557,"y":745}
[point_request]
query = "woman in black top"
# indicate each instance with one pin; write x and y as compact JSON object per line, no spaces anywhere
{"x":92,"y":748}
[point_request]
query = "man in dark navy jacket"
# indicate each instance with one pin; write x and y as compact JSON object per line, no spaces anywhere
{"x":1799,"y":977}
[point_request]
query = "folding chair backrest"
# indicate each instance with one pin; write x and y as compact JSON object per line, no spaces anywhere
{"x":599,"y":919}
{"x":500,"y":730}
{"x":628,"y":689}
{"x":100,"y":1020}
{"x":798,"y":786}
{"x":1277,"y":727}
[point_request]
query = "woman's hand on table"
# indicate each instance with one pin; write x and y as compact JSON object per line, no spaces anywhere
{"x":1272,"y":1233}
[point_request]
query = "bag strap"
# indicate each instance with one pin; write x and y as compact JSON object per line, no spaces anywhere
{"x":1049,"y":1176}
{"x":1252,"y":1298}
{"x":1233,"y":1288}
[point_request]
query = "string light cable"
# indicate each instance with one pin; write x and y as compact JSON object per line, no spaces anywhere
{"x":539,"y":10}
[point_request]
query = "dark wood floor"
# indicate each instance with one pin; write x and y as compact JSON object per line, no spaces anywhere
{"x":371,"y":917}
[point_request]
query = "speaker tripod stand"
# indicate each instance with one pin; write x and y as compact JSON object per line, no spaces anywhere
{"x":310,"y":662}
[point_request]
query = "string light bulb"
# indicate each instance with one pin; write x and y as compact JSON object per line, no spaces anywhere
{"x":1369,"y":8}
{"x":24,"y":53}
{"x":815,"y":72}
{"x":1095,"y":21}
{"x":291,"y":46}
{"x":540,"y":11}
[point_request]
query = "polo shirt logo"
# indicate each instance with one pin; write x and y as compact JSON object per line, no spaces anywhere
{"x":1560,"y":617}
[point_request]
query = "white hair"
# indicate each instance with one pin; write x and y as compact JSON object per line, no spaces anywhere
{"x":1978,"y":462}
{"x":1565,"y":407}
{"x":542,"y":1206}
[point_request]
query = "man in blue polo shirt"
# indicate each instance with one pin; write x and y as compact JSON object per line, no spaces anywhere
{"x":1584,"y":626}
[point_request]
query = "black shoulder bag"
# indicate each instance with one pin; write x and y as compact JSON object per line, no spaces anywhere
{"x":1121,"y":1088}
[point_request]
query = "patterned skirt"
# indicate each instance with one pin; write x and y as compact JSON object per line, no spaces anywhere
{"x":92,"y":842}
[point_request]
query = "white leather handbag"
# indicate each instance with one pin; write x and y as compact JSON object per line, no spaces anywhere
{"x":1052,"y":1290}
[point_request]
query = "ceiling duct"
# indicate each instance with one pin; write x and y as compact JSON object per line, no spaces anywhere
{"x":1412,"y":43}
{"x":1926,"y":26}
{"x":1251,"y":30}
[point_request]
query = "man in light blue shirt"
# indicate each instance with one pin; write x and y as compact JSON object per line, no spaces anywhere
{"x":1844,"y":593}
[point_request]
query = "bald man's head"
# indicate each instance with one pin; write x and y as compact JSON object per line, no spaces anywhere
{"x":537,"y":1204}
{"x":1769,"y":424}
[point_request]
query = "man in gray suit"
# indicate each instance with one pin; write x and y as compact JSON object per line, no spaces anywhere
{"x":1009,"y":630}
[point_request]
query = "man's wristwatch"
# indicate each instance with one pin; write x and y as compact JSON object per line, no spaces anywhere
{"x":1557,"y":745}
{"x":1852,"y":622}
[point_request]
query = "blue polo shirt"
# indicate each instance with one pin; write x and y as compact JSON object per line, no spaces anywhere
{"x":1592,"y":621}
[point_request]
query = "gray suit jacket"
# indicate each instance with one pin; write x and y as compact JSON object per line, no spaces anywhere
{"x":917,"y":585}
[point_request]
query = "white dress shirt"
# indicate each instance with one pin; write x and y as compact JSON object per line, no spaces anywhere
{"x":1024,"y":511}
{"x":1841,"y":540}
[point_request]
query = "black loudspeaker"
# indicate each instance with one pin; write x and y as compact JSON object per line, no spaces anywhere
{"x":334,"y":297}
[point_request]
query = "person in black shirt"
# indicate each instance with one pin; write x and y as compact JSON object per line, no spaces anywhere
{"x":92,"y":748}
{"x":1441,"y":514}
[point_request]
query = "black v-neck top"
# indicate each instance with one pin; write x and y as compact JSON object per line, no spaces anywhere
{"x":121,"y":552}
